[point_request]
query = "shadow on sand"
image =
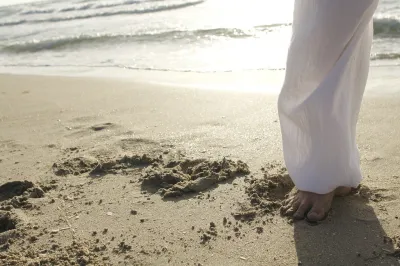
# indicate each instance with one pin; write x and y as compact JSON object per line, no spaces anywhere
{"x":352,"y":235}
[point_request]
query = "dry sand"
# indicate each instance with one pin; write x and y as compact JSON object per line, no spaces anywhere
{"x":106,"y":172}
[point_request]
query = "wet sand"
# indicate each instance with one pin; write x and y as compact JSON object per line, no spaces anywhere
{"x":104,"y":172}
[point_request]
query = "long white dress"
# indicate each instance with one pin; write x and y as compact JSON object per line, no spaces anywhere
{"x":326,"y":74}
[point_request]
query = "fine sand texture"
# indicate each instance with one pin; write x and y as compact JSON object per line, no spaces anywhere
{"x":97,"y":171}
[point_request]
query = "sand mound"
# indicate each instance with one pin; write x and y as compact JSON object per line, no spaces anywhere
{"x":96,"y":166}
{"x":176,"y":178}
{"x":126,"y":162}
{"x":267,"y":193}
{"x":75,"y":166}
{"x":171,"y":174}
{"x":15,"y":194}
{"x":15,"y":188}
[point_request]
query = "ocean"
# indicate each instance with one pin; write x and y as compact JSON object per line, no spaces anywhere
{"x":198,"y":36}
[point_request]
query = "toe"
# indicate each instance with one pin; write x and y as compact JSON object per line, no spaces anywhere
{"x":293,"y":208}
{"x":290,"y":207}
{"x":290,"y":211}
{"x":301,"y":211}
{"x":285,"y":208}
{"x":289,"y":201}
{"x":317,"y":213}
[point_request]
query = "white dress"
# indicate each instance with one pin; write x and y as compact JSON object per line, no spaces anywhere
{"x":326,"y":74}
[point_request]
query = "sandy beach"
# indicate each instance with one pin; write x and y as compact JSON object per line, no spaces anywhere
{"x":100,"y":171}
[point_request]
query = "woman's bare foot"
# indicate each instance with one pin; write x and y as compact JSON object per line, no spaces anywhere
{"x":310,"y":205}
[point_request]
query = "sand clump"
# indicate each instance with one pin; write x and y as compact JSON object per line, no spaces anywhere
{"x":94,"y":166}
{"x":75,"y":166}
{"x":176,"y":178}
{"x":208,"y":234}
{"x":15,"y":194}
{"x":245,"y":213}
{"x":266,"y":194}
{"x":14,"y":188}
{"x":172,"y":175}
{"x":126,"y":162}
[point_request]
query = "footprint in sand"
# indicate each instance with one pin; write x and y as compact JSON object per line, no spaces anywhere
{"x":103,"y":126}
{"x":83,"y":130}
{"x":8,"y":226}
{"x":132,"y":143}
{"x":14,"y":188}
{"x":7,"y":222}
{"x":15,"y":194}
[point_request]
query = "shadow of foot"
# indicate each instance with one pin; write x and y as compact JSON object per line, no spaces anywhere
{"x":351,"y":235}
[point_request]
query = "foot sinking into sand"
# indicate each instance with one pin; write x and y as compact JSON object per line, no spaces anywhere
{"x":311,"y":206}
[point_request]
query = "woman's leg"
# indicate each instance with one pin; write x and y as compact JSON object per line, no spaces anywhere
{"x":326,"y":73}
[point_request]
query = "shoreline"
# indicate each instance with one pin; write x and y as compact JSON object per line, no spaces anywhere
{"x":53,"y":131}
{"x":383,"y":80}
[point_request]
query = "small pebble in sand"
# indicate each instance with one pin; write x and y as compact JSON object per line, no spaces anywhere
{"x":109,"y":213}
{"x":142,"y":220}
{"x":133,"y":212}
{"x":105,"y":231}
{"x":94,"y":233}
